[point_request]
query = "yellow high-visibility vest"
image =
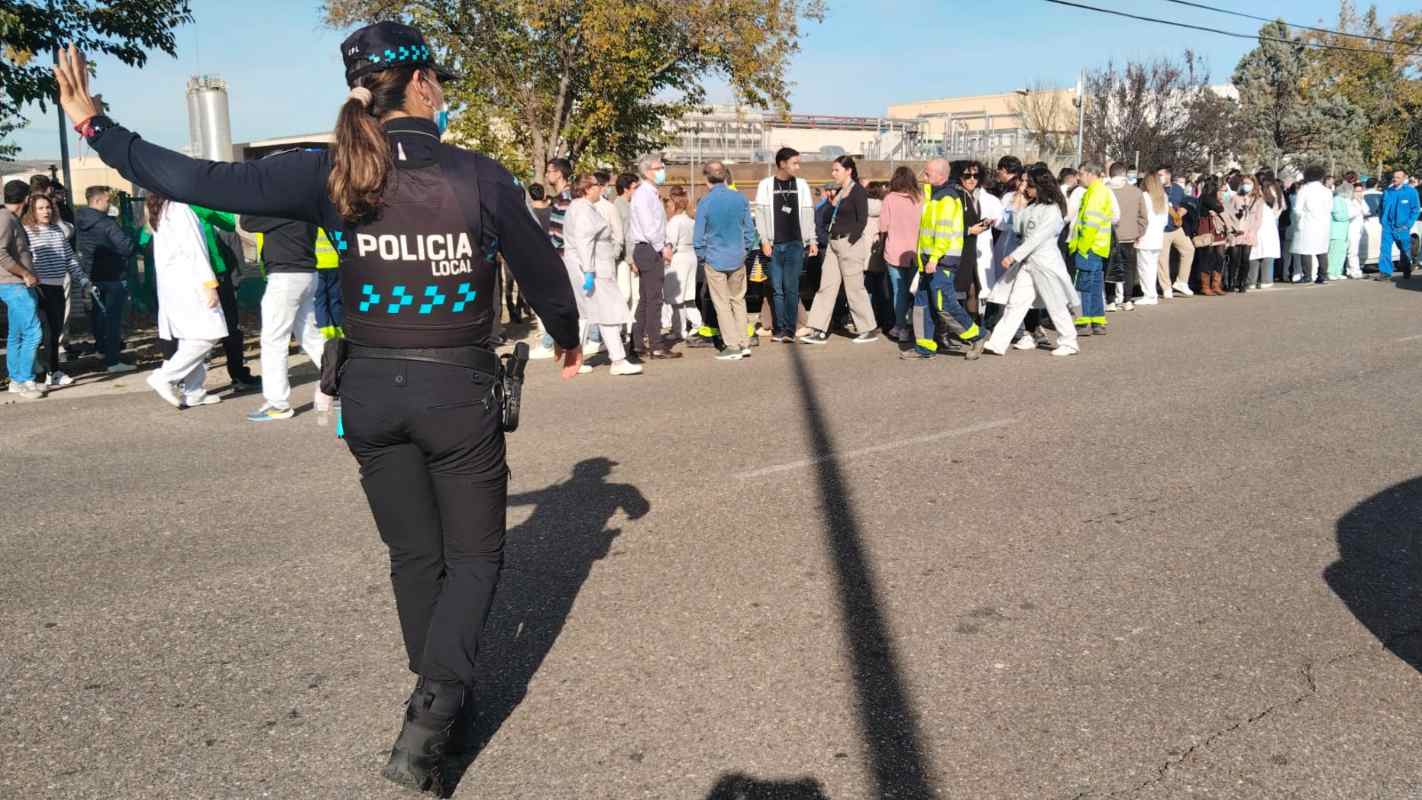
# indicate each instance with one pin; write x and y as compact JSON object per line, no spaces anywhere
{"x":1093,"y":222}
{"x":326,"y":255}
{"x":940,"y":226}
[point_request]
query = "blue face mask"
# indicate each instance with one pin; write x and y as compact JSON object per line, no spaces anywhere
{"x":442,"y":119}
{"x":660,"y":176}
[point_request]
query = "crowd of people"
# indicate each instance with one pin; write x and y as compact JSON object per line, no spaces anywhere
{"x":955,"y":258}
{"x":49,"y":250}
{"x":952,"y":259}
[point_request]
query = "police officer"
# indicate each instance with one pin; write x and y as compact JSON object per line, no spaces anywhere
{"x":418,"y":225}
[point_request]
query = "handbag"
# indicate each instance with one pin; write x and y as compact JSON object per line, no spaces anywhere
{"x":1204,"y":232}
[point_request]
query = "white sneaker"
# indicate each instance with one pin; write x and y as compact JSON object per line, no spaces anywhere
{"x":1181,"y":288}
{"x":1147,"y":301}
{"x":1063,"y":350}
{"x":625,"y":367}
{"x":121,"y":367}
{"x":584,"y":369}
{"x":591,"y":348}
{"x":1169,"y":295}
{"x":27,"y":390}
{"x":165,"y":390}
{"x":1264,"y":286}
{"x":58,"y":378}
{"x":203,"y":399}
{"x":540,"y":353}
{"x":1129,"y":306}
{"x":1112,"y":306}
{"x":1026,"y":343}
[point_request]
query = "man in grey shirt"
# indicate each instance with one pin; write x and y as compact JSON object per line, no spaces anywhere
{"x":16,"y":280}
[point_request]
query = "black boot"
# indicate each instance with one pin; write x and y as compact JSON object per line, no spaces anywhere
{"x":430,"y":716}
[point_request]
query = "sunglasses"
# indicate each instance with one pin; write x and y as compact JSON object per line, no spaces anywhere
{"x":967,"y":175}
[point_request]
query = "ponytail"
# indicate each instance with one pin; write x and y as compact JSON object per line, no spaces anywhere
{"x":360,"y":156}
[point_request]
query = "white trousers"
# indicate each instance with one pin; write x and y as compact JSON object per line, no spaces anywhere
{"x":1024,"y":294}
{"x":1355,"y":238}
{"x":1146,"y":261}
{"x":287,"y":308}
{"x":188,"y":368}
{"x":612,"y":339}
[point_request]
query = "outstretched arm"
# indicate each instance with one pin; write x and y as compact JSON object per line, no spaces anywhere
{"x":290,"y":186}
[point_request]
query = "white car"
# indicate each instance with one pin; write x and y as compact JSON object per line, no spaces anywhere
{"x":1372,"y":232}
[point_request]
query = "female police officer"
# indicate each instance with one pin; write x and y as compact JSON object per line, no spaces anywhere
{"x":417,"y":224}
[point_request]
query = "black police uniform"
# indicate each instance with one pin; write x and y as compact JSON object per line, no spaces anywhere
{"x":417,"y":279}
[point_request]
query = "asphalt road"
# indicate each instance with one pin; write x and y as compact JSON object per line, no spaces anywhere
{"x":1183,"y":564}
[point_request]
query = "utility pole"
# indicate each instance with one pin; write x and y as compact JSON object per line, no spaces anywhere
{"x":1080,"y":113}
{"x":63,"y":129}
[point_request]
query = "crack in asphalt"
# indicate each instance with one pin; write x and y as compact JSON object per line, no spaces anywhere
{"x":1310,"y":689}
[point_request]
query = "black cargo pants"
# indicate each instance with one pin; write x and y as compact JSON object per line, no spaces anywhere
{"x":432,"y":464}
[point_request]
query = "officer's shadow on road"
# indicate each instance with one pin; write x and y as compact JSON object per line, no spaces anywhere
{"x":547,"y":560}
{"x":1378,"y":574}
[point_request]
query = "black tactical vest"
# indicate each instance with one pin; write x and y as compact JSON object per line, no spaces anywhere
{"x":419,"y":274}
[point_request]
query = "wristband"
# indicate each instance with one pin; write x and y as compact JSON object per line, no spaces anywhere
{"x":92,"y":126}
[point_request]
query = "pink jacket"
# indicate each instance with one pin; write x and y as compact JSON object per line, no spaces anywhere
{"x":898,"y":219}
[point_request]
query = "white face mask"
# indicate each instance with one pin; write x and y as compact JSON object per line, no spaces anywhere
{"x":1246,"y":188}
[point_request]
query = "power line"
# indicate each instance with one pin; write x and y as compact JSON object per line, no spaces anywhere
{"x":1232,"y":34}
{"x":1204,"y":7}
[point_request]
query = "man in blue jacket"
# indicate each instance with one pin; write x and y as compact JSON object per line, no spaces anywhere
{"x":724,"y":233}
{"x":104,"y":249}
{"x":1399,"y":211}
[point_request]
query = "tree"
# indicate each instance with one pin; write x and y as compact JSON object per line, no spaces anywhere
{"x":1163,"y":112}
{"x":30,"y":31}
{"x":593,"y":80}
{"x":1050,"y":120}
{"x":1295,"y":113}
{"x":1375,"y":76}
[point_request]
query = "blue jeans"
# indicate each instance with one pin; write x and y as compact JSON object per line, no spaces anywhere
{"x":899,"y":280}
{"x":108,"y":320}
{"x":787,"y":262}
{"x":25,"y":331}
{"x":937,"y":296}
{"x":1092,"y":289}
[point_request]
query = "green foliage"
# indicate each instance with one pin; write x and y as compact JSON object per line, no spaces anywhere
{"x":31,"y":31}
{"x":593,"y":80}
{"x":1298,"y":110}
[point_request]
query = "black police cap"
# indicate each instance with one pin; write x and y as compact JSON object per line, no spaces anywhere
{"x":385,"y":45}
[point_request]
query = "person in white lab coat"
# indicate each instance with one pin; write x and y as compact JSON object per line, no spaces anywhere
{"x":591,"y":259}
{"x":1313,"y":216}
{"x":188,"y":307}
{"x":680,"y":288}
{"x":1357,"y":210}
{"x":1036,"y":273}
{"x":1155,"y":207}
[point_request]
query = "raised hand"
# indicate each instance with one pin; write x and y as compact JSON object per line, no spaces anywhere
{"x":72,"y":74}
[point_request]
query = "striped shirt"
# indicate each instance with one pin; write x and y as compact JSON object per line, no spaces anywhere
{"x":53,"y":255}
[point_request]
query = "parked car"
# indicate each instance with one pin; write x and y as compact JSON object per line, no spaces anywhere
{"x":1372,"y":232}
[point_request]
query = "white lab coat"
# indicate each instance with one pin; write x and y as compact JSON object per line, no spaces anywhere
{"x":587,"y":247}
{"x":1313,"y":216}
{"x":681,"y":273}
{"x":989,"y":207}
{"x":1266,"y":242}
{"x":181,"y":266}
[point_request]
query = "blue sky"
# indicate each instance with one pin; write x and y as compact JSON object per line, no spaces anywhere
{"x":284,"y":73}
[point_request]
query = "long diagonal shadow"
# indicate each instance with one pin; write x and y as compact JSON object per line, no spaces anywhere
{"x":549,"y":558}
{"x":886,"y":719}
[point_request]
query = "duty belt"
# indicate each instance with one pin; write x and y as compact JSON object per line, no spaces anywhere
{"x":475,"y":358}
